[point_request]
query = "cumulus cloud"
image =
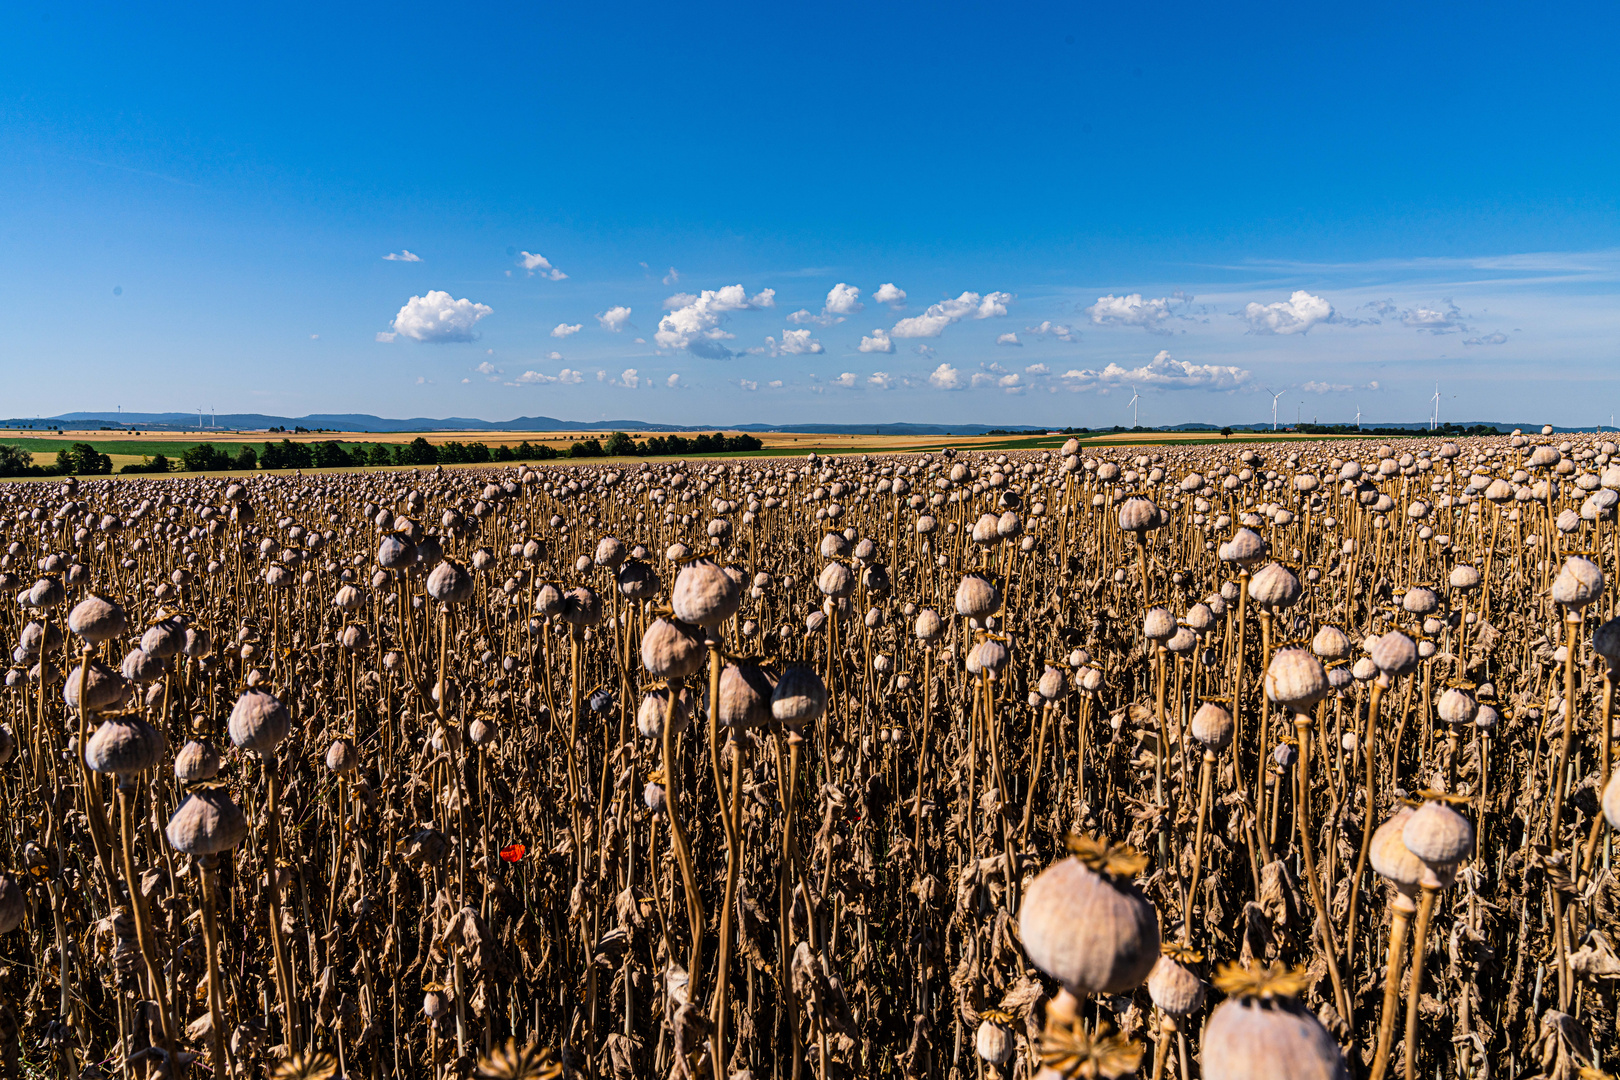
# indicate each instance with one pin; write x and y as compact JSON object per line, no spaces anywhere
{"x":438,"y":317}
{"x":1132,"y":310}
{"x":539,"y":264}
{"x":487,"y":368}
{"x":402,"y":256}
{"x":1008,"y":339}
{"x":878,"y":342}
{"x":803,"y":315}
{"x":1314,"y":387}
{"x":1058,"y":330}
{"x":567,"y":376}
{"x":946,"y":377}
{"x":933,"y":321}
{"x":673,"y":381}
{"x":1498,"y":338}
{"x":554,"y":355}
{"x":843,"y":299}
{"x":672,"y":277}
{"x":570,"y":376}
{"x":613,"y":319}
{"x":748,"y":384}
{"x":1037,"y":369}
{"x":385,"y":336}
{"x":694,"y":322}
{"x":629,"y":379}
{"x":775,"y":384}
{"x":1430,"y":320}
{"x":891,"y":294}
{"x":1164,"y":372}
{"x":1296,"y":315}
{"x":799,"y":342}
{"x":563,"y":330}
{"x":880,"y":380}
{"x":846,"y":379}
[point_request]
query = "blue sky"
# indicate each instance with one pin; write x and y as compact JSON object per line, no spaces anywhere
{"x":1207,"y":204}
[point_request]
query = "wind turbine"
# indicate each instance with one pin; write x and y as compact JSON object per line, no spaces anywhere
{"x":1274,"y":398}
{"x":1358,"y":417}
{"x":1435,"y":421}
{"x":1135,"y":397}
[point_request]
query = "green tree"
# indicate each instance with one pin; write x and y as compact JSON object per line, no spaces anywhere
{"x":585,"y":448}
{"x":82,"y":459}
{"x":14,"y":460}
{"x":620,"y":445}
{"x":379,"y":455}
{"x":419,"y":452}
{"x":331,"y":455}
{"x":246,"y":458}
{"x":503,"y":452}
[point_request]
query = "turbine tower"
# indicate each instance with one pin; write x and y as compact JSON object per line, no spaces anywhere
{"x":1135,"y":397}
{"x":1434,"y":422}
{"x":1274,"y":398}
{"x":1358,"y":417}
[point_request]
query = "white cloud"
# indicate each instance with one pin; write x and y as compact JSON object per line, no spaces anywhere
{"x":946,"y":377}
{"x":881,"y":380}
{"x":775,"y":384}
{"x":569,"y":376}
{"x":402,"y":256}
{"x":1164,"y":372}
{"x":385,"y":337}
{"x":793,"y":343}
{"x":1448,"y":321}
{"x":693,"y":323}
{"x":1057,"y":330}
{"x":539,"y":264}
{"x":1131,"y":310}
{"x":748,"y":384}
{"x":487,"y":368}
{"x":629,"y":379}
{"x":314,"y":337}
{"x":1010,"y":382}
{"x":437,"y":317}
{"x":1037,"y":369}
{"x":1296,"y":315}
{"x":672,"y":277}
{"x":601,"y":376}
{"x":535,"y":377}
{"x":843,"y":299}
{"x":563,"y":330}
{"x":933,"y":321}
{"x":846,"y":379}
{"x":554,"y":355}
{"x":423,"y":380}
{"x":614,"y":318}
{"x":803,"y":316}
{"x":1314,"y":387}
{"x":889,"y":293}
{"x":673,"y":381}
{"x":878,"y":342}
{"x":1008,"y":339}
{"x":1497,"y":338}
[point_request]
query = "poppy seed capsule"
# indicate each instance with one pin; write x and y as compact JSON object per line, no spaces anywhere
{"x":1419,"y":601}
{"x":1295,"y":679}
{"x":1390,"y":857}
{"x":207,"y":823}
{"x":582,"y":607}
{"x":745,"y":696}
{"x":1212,"y":726}
{"x":1252,"y":1038}
{"x":1093,"y":933}
{"x":1274,"y":587}
{"x":46,"y":593}
{"x":655,"y":706}
{"x":141,"y":667}
{"x":1439,"y":836}
{"x":704,"y":594}
{"x":124,"y":746}
{"x":1158,"y":624}
{"x":258,"y":722}
{"x":670,"y":650}
{"x":1175,"y":989}
{"x":548,"y":600}
{"x":162,"y":640}
{"x":1464,"y":578}
{"x":799,"y":699}
{"x":97,"y":619}
{"x":196,"y":761}
{"x":1457,"y":707}
{"x":638,"y":581}
{"x":993,"y":1042}
{"x":1330,"y":644}
{"x":395,"y":552}
{"x":987,"y":657}
{"x":1578,"y":584}
{"x":450,"y":583}
{"x":977,"y":597}
{"x":1052,"y":684}
{"x":1395,"y":654}
{"x":341,"y":756}
{"x":1245,"y":548}
{"x":836,"y":580}
{"x":1139,"y":515}
{"x":104,"y":688}
{"x":928,"y":627}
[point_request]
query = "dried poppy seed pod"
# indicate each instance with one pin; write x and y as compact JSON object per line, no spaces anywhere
{"x":704,"y":594}
{"x":124,"y":746}
{"x":745,"y":696}
{"x":395,"y":552}
{"x":638,"y":581}
{"x":1262,"y":1032}
{"x":342,"y":757}
{"x":799,"y":699}
{"x":1457,"y":707}
{"x":1158,"y":624}
{"x":141,"y":667}
{"x":1091,"y":929}
{"x":993,"y":1042}
{"x":1419,"y":601}
{"x":450,"y":583}
{"x":196,"y":762}
{"x":104,"y":688}
{"x":977,"y":597}
{"x":1295,"y":679}
{"x":836,"y":580}
{"x":988,"y":656}
{"x":11,"y":904}
{"x":928,"y":626}
{"x":1395,"y":654}
{"x":670,"y":650}
{"x":1441,"y":838}
{"x":1052,"y":684}
{"x":482,"y":731}
{"x":1200,"y":618}
{"x":1578,"y":584}
{"x":162,"y":640}
{"x":1330,"y":644}
{"x":207,"y":823}
{"x":548,"y":600}
{"x":582,"y":607}
{"x":1212,"y":726}
{"x":1245,"y":548}
{"x":1174,"y":989}
{"x":258,"y":723}
{"x":609,"y":552}
{"x":1464,"y":578}
{"x":97,"y":619}
{"x":46,"y":593}
{"x":1138,"y":515}
{"x":655,"y":706}
{"x":1391,"y":859}
{"x":1274,"y":587}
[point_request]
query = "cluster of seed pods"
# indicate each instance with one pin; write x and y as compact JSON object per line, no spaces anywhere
{"x":1081,"y":762}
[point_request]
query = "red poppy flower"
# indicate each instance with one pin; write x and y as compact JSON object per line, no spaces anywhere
{"x":514,"y":852}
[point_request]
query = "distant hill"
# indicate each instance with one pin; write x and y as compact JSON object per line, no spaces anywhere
{"x":365,"y":422}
